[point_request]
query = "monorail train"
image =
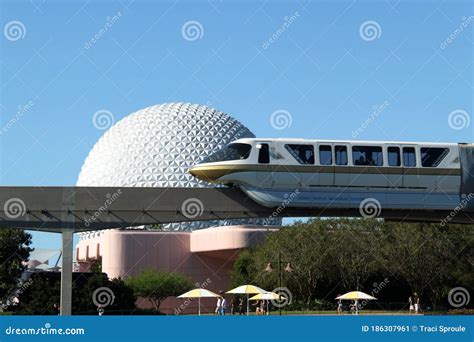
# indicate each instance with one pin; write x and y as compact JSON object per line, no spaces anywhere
{"x":342,"y":174}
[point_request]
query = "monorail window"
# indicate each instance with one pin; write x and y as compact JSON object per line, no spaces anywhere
{"x":367,"y":155}
{"x":432,"y":156}
{"x":341,"y":155}
{"x":304,"y":154}
{"x":409,"y":157}
{"x":263,"y":154}
{"x":325,"y":155}
{"x":234,"y":151}
{"x":393,"y":154}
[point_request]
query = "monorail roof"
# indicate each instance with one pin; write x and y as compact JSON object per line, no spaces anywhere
{"x":379,"y":142}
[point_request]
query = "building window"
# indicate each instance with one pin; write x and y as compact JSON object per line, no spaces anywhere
{"x":409,"y":157}
{"x":367,"y":155}
{"x":341,"y":155}
{"x":263,"y":154}
{"x":393,"y":156}
{"x":432,"y":156}
{"x":325,"y":155}
{"x":304,"y":154}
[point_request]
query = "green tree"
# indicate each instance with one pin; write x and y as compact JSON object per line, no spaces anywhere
{"x":308,"y":247}
{"x":336,"y":254}
{"x":423,"y":254}
{"x":244,"y":269}
{"x":356,"y":257}
{"x":14,"y":253}
{"x":158,"y":285}
{"x":83,"y":293}
{"x":42,"y":296}
{"x":462,"y":239}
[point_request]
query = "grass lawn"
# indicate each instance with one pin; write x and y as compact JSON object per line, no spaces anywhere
{"x":362,"y":312}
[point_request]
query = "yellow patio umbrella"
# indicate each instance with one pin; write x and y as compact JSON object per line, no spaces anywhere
{"x":199,"y":293}
{"x":266,"y":297}
{"x":356,"y":296}
{"x":247,"y":289}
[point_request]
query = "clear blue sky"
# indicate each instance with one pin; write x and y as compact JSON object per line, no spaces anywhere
{"x":321,"y":66}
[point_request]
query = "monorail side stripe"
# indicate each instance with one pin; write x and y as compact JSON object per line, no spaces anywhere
{"x":221,"y":170}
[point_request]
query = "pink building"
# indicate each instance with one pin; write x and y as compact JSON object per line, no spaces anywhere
{"x":207,"y":256}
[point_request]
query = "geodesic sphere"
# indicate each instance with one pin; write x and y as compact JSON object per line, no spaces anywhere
{"x":156,"y":146}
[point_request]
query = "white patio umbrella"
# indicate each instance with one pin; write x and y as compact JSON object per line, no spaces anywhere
{"x":199,"y":293}
{"x":247,"y":289}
